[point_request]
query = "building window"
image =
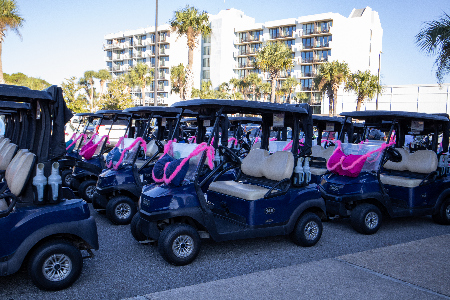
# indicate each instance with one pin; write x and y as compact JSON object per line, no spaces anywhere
{"x":242,"y":50}
{"x":324,"y":26}
{"x":306,"y":84}
{"x":308,"y":28}
{"x":207,"y":50}
{"x":122,"y":40}
{"x":206,"y":75}
{"x":109,"y":42}
{"x":322,"y":55}
{"x":323,"y":41}
{"x":287,"y":31}
{"x":207,"y":39}
{"x":242,"y":62}
{"x":242,"y":37}
{"x":206,"y":62}
{"x":308,"y":43}
{"x":307,"y":71}
{"x":307,"y":57}
{"x":289,"y":43}
{"x":274,"y":33}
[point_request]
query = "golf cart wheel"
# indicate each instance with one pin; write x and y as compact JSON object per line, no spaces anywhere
{"x":366,"y":218}
{"x":87,"y":189}
{"x":443,"y":215}
{"x":135,"y":231}
{"x":120,"y":210}
{"x":308,"y":230}
{"x":66,"y":177}
{"x":179,"y":244}
{"x":55,"y":265}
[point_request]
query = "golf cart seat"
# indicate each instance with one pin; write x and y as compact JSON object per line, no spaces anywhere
{"x":6,"y":155}
{"x":320,"y":156}
{"x":20,"y":172}
{"x":4,"y":143}
{"x":412,"y":170}
{"x":14,"y":162}
{"x":257,"y":164}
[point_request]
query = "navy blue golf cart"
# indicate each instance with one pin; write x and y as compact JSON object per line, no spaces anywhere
{"x":41,"y":228}
{"x":119,"y":187}
{"x":266,"y":199}
{"x":86,"y":171}
{"x":396,"y":180}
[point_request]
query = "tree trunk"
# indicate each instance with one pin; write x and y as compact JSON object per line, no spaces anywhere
{"x":331,"y":102}
{"x":359,"y":102}
{"x":334,"y":102}
{"x":1,"y":65}
{"x":189,"y":75}
{"x":143,"y":94}
{"x":272,"y":95}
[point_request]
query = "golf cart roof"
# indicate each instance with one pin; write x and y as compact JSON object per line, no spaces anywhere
{"x":22,"y":94}
{"x":13,"y":105}
{"x":318,"y":118}
{"x":245,"y":120}
{"x":394,"y":115}
{"x":85,"y":115}
{"x":159,"y":110}
{"x":208,"y":106}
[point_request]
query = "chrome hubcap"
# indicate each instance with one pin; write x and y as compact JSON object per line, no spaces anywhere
{"x":183,"y":246}
{"x":311,"y":230}
{"x":68,"y":179}
{"x":447,"y":211}
{"x":123,"y":211}
{"x":90,"y":190}
{"x":371,"y":220}
{"x":57,"y":267}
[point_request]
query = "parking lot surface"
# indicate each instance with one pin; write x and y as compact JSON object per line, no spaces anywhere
{"x":344,"y":264}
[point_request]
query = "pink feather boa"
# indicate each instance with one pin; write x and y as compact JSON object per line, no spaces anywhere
{"x":75,"y":141}
{"x":192,"y":139}
{"x":200,"y":148}
{"x":143,"y":145}
{"x":89,"y":151}
{"x":232,"y":139}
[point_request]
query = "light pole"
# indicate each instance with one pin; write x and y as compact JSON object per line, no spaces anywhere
{"x":155,"y":86}
{"x":379,"y":67}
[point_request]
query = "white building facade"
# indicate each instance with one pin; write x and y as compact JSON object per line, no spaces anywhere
{"x":231,"y":48}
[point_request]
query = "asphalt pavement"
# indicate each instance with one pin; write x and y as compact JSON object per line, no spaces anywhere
{"x":407,"y":258}
{"x":414,"y":270}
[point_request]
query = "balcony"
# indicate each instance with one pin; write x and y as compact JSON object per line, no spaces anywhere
{"x":322,"y":45}
{"x":138,"y":43}
{"x":308,"y":60}
{"x":108,"y":58}
{"x":308,"y":74}
{"x":307,"y":46}
{"x":308,"y":32}
{"x":306,"y":88}
{"x":321,"y":59}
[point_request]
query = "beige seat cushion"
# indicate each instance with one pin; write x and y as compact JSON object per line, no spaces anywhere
{"x":252,"y":164}
{"x":400,"y":181}
{"x":422,"y":161}
{"x":14,"y":162}
{"x":401,"y":165}
{"x":278,"y":166}
{"x":20,"y":173}
{"x":4,"y":143}
{"x":318,"y":171}
{"x":6,"y":155}
{"x":236,"y":189}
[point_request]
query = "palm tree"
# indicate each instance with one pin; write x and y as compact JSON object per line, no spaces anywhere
{"x":234,"y":83}
{"x":254,"y":81}
{"x":365,"y":85}
{"x":192,"y":23}
{"x":87,"y":82}
{"x":103,"y":75}
{"x":178,"y":80}
{"x":274,"y":58}
{"x":243,"y":85}
{"x":289,"y":86}
{"x":265,"y":89}
{"x":142,"y":76}
{"x":434,"y":39}
{"x":331,"y":75}
{"x":9,"y":19}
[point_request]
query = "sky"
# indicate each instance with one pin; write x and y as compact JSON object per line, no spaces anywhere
{"x":64,"y":38}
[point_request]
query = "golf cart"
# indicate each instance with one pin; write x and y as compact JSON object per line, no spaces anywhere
{"x":86,"y":171}
{"x":119,"y":187}
{"x":373,"y":178}
{"x":41,"y":227}
{"x":268,"y":198}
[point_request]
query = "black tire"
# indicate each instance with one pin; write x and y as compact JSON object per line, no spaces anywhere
{"x":135,"y":231}
{"x":443,"y":215}
{"x":308,"y":230}
{"x":66,"y":177}
{"x":366,"y":218}
{"x":120,"y":210}
{"x":87,"y":189}
{"x":55,"y":265}
{"x":179,"y":244}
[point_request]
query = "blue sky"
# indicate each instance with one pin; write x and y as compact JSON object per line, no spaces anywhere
{"x":64,"y":38}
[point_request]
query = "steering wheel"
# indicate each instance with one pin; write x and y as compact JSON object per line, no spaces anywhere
{"x":229,"y":154}
{"x":393,"y":154}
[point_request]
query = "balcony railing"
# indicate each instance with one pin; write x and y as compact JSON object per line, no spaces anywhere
{"x":307,"y":46}
{"x":308,"y":32}
{"x":308,"y":74}
{"x":322,"y":45}
{"x":308,"y":60}
{"x":306,"y":88}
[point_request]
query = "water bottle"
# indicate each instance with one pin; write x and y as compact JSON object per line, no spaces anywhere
{"x":40,"y":182}
{"x":298,"y":172}
{"x":54,"y":182}
{"x":307,"y":170}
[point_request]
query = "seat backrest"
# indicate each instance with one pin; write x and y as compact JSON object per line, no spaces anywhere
{"x":6,"y":155}
{"x":275,"y":146}
{"x":20,"y":172}
{"x":279,"y":166}
{"x":14,"y":161}
{"x":422,"y":161}
{"x":252,"y":164}
{"x":401,"y":165}
{"x":4,"y":143}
